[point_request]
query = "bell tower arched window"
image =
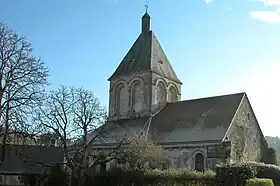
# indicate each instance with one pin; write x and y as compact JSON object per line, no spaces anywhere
{"x":161,"y":93}
{"x":172,"y":94}
{"x":120,"y":92}
{"x":136,"y":96}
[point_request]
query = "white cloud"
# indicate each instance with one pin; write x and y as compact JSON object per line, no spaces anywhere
{"x":271,"y":2}
{"x":270,"y":17}
{"x":207,"y":1}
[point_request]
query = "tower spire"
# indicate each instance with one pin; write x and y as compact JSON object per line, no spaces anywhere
{"x":146,"y":19}
{"x":146,"y":6}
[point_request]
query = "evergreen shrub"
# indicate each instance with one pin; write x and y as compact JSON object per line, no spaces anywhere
{"x":259,"y":182}
{"x":234,"y":174}
{"x":266,"y":171}
{"x":155,"y":177}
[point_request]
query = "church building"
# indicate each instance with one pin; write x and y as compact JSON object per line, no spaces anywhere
{"x":145,"y":95}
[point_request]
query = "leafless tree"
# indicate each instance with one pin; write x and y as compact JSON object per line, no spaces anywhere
{"x":22,"y":81}
{"x":73,"y":114}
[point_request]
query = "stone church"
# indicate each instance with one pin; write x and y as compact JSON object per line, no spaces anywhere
{"x":145,"y":95}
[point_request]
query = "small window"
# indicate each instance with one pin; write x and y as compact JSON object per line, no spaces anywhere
{"x":161,"y":62}
{"x":199,"y":162}
{"x":248,"y":116}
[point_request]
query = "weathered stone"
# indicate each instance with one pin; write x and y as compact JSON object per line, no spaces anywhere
{"x":247,"y":140}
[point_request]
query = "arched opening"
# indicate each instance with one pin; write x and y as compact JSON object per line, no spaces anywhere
{"x":161,"y":93}
{"x":199,"y":162}
{"x":172,"y":94}
{"x":120,"y":105}
{"x":137,"y":96}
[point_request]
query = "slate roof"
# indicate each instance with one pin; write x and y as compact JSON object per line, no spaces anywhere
{"x":204,"y":119}
{"x":196,"y":120}
{"x":32,"y":159}
{"x":115,"y":130}
{"x":146,"y":54}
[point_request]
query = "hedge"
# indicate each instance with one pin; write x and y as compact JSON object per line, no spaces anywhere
{"x":238,"y":174}
{"x":234,"y":174}
{"x":168,"y":177}
{"x":259,"y":182}
{"x":266,"y":171}
{"x":271,"y":157}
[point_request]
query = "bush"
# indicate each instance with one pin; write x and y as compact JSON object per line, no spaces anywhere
{"x":173,"y":176}
{"x":57,"y":177}
{"x":267,"y":171}
{"x":234,"y":174}
{"x":180,"y":174}
{"x":155,"y":177}
{"x":271,"y":157}
{"x":259,"y":182}
{"x":142,"y":154}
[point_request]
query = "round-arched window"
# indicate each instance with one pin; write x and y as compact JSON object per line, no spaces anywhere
{"x":199,"y":162}
{"x":120,"y":105}
{"x":161,"y":92}
{"x":172,"y":94}
{"x":137,"y":97}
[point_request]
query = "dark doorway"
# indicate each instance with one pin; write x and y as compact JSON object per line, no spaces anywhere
{"x":199,"y":162}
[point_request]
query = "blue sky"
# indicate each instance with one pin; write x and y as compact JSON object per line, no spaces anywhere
{"x":216,"y":47}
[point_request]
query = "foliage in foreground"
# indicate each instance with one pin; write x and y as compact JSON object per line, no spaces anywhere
{"x":274,"y":142}
{"x":180,"y":174}
{"x":234,"y":174}
{"x":239,"y":173}
{"x":142,"y":154}
{"x":266,"y":171}
{"x":248,"y":174}
{"x":259,"y":182}
{"x":155,"y":177}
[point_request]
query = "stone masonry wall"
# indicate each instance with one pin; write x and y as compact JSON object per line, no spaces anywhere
{"x":142,"y":96}
{"x":247,"y":140}
{"x":184,"y":157}
{"x":145,"y":96}
{"x":168,"y":85}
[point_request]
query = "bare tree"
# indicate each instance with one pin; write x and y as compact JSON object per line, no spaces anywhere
{"x":76,"y":115}
{"x":22,"y":81}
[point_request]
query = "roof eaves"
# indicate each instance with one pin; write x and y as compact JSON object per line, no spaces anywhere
{"x":177,"y":81}
{"x":132,"y":73}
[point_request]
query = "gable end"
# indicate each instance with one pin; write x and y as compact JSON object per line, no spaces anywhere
{"x":244,"y":132}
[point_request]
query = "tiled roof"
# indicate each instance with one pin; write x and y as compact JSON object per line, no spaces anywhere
{"x":196,"y":120}
{"x":32,"y":159}
{"x":115,"y":131}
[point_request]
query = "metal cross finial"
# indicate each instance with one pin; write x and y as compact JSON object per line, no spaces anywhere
{"x":146,"y":5}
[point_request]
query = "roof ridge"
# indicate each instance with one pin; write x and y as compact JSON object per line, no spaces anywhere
{"x":155,"y":45}
{"x":209,"y":97}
